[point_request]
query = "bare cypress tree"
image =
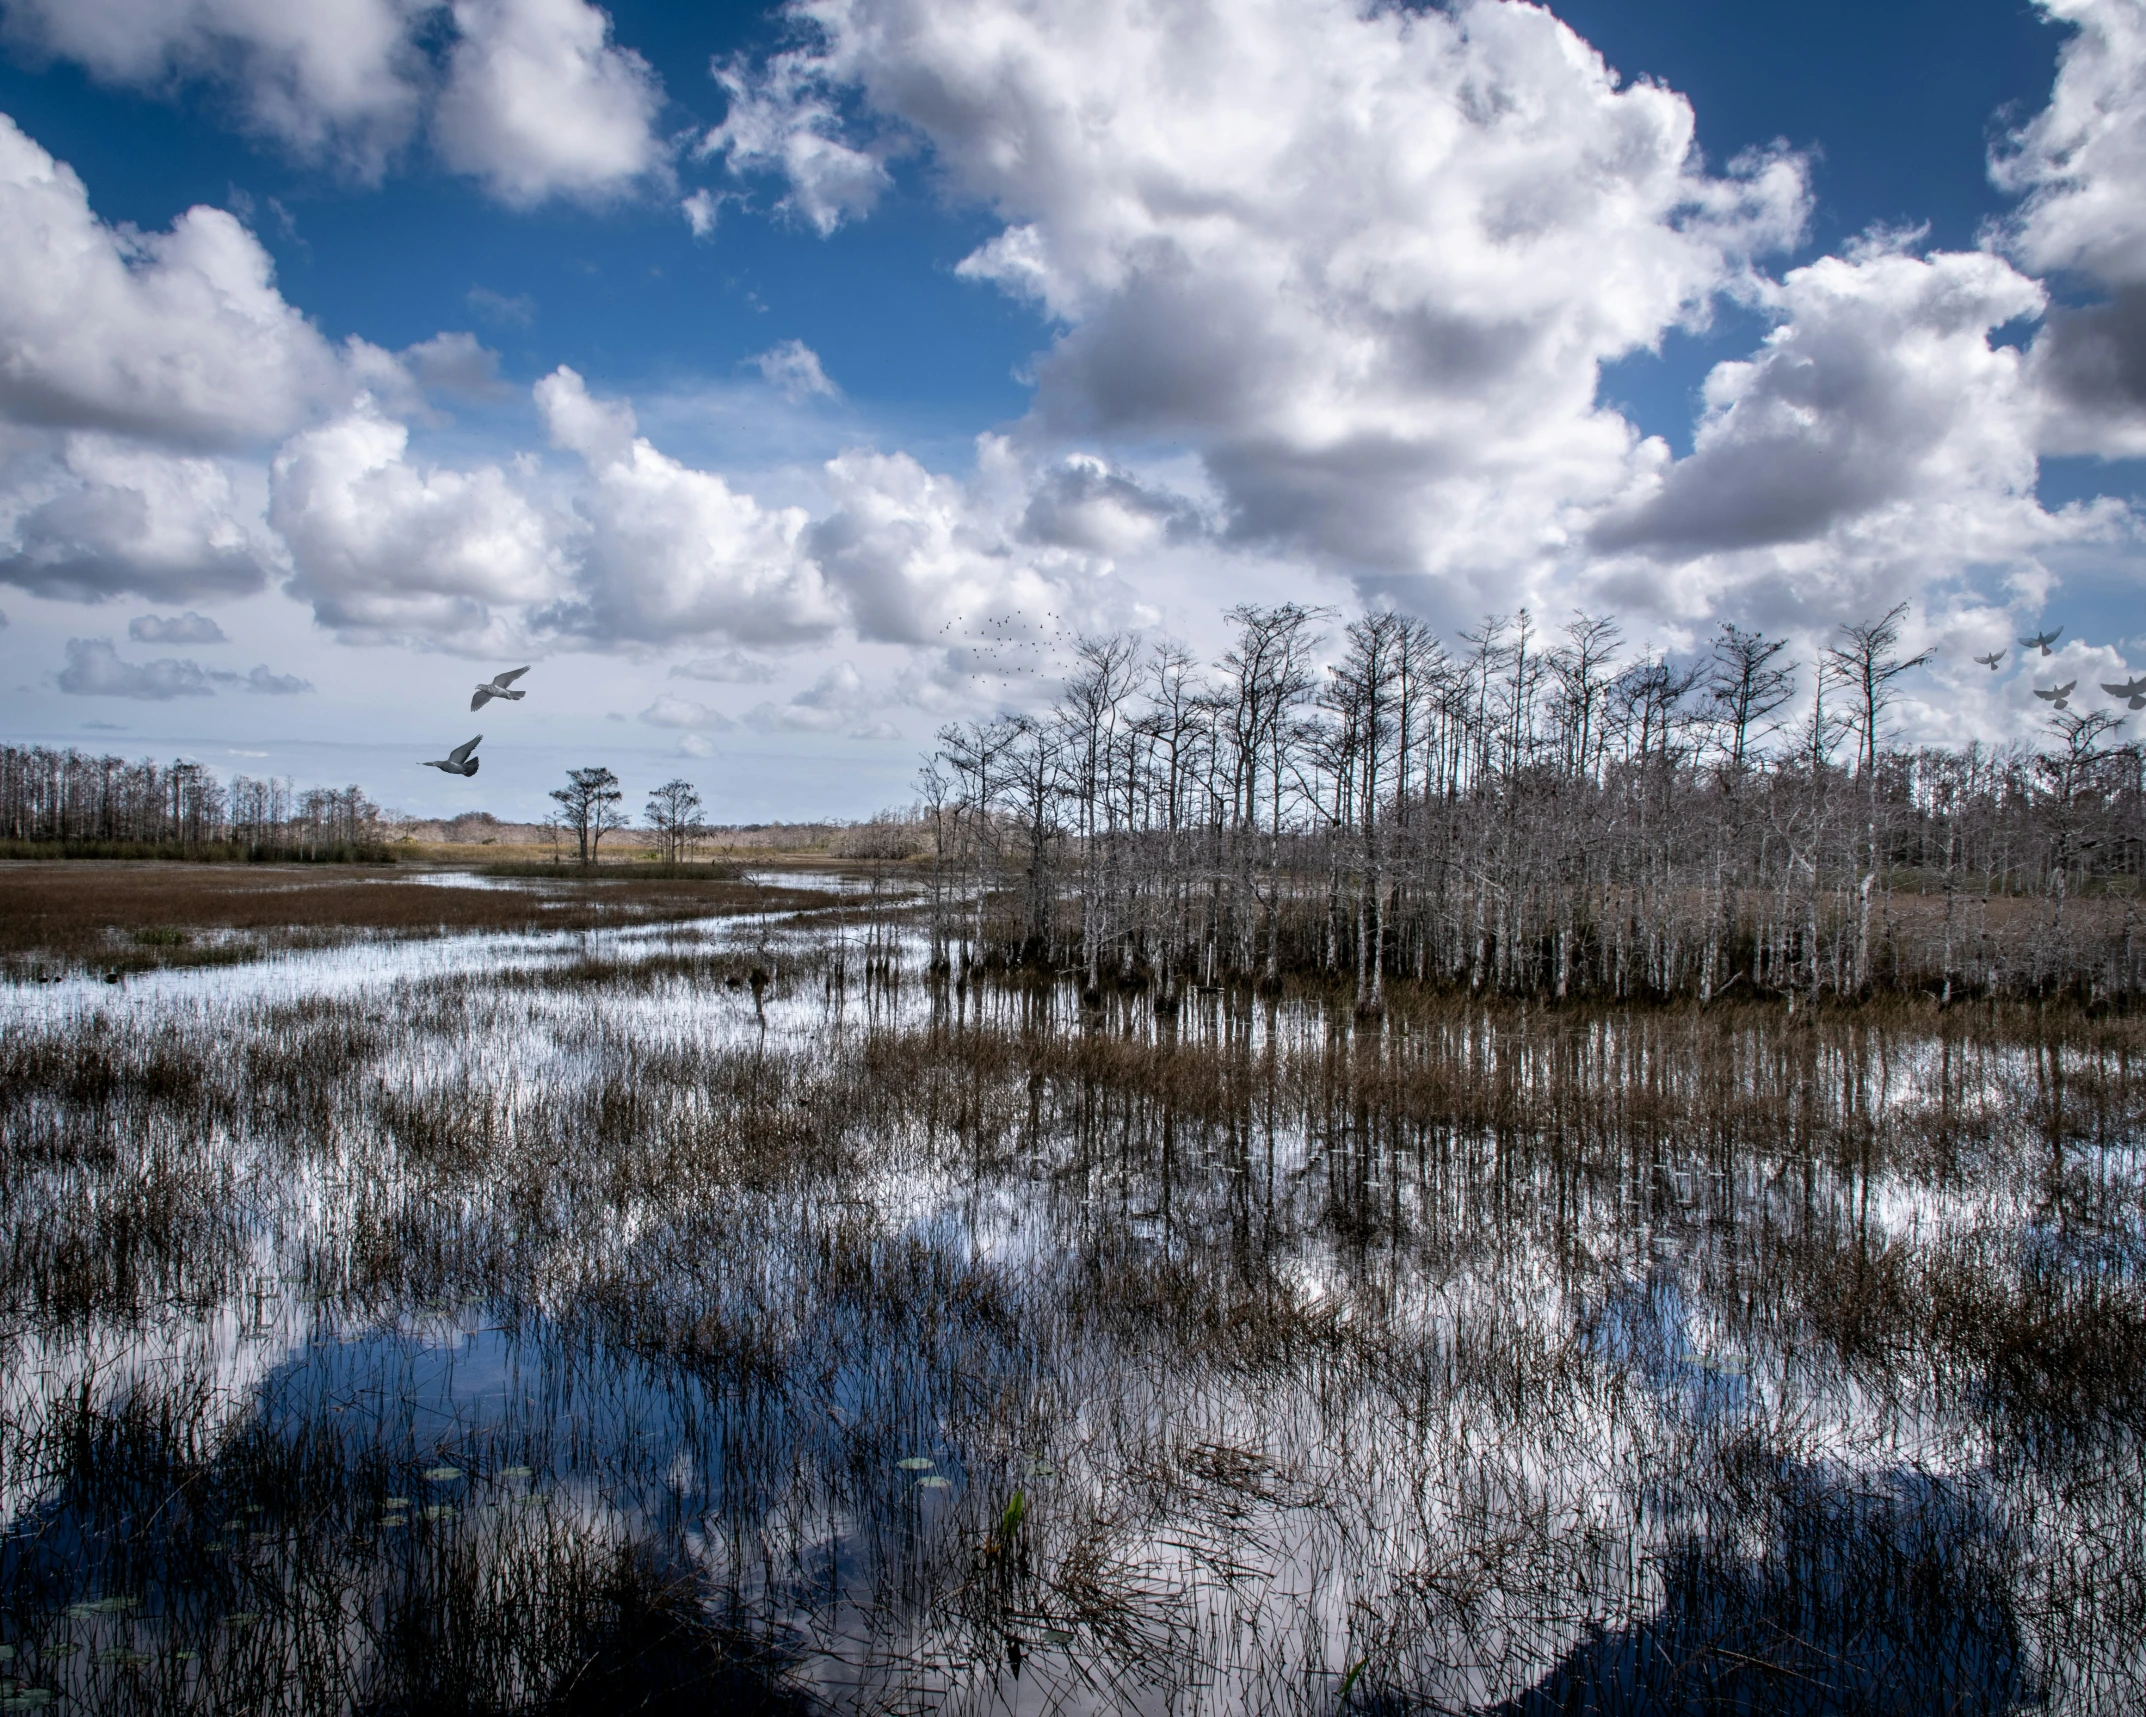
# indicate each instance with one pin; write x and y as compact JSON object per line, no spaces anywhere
{"x":935,"y":799}
{"x":1867,"y":667}
{"x":1581,"y":669}
{"x":1090,"y":709}
{"x":673,"y":812}
{"x":1746,"y":687}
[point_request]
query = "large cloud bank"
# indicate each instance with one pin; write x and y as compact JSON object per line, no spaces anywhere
{"x":1325,"y":288}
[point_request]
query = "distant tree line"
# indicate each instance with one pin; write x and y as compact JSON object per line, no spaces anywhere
{"x":71,"y":800}
{"x":1529,"y":812}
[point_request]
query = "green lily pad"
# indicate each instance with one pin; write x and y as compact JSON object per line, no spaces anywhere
{"x":517,"y":1472}
{"x":28,"y":1699}
{"x":7,"y":1654}
{"x":394,"y":1502}
{"x":916,"y":1463}
{"x":442,"y":1475}
{"x":242,"y":1619}
{"x":438,"y":1511}
{"x":935,"y":1482}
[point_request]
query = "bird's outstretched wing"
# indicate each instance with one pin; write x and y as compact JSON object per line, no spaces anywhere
{"x":2064,"y":691}
{"x":2050,"y":697}
{"x":2120,"y":691}
{"x":460,"y":754}
{"x":503,"y":681}
{"x":483,"y":697}
{"x":1990,"y":661}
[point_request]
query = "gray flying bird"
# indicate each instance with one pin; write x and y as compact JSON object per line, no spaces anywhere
{"x":458,"y":761}
{"x":1993,"y":661}
{"x":496,"y":687}
{"x":2132,"y":692}
{"x":2057,"y":695}
{"x":2041,"y":641}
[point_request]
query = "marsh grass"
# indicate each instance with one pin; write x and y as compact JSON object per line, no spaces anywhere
{"x":125,"y":918}
{"x":846,"y":1340}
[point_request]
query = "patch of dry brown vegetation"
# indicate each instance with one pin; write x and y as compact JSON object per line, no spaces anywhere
{"x":129,"y":916}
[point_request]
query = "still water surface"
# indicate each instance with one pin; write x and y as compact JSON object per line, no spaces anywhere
{"x":404,"y":1326}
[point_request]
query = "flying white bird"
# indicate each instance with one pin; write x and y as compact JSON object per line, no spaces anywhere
{"x":2041,"y":641}
{"x":2057,"y":695}
{"x":2132,"y":692}
{"x":1992,"y":661}
{"x":458,"y":761}
{"x":496,"y":687}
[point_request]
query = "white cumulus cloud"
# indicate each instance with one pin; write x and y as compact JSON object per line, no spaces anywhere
{"x":2081,"y":162}
{"x":540,"y":102}
{"x":325,"y":77}
{"x":94,"y":669}
{"x":104,"y":517}
{"x":1366,"y":262}
{"x":839,"y":701}
{"x":178,"y":336}
{"x":783,"y":120}
{"x":387,"y":547}
{"x":672,"y":552}
{"x":1879,"y":389}
{"x":530,"y":97}
{"x":793,"y":369}
{"x":670,"y":710}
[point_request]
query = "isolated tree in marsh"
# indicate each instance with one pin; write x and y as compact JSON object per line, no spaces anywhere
{"x":589,"y":805}
{"x":673,"y":813}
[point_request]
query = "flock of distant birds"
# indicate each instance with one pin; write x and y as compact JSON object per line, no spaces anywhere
{"x":2133,"y":692}
{"x":463,"y":760}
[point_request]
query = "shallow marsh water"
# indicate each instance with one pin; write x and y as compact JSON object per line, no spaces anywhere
{"x":560,"y":1322}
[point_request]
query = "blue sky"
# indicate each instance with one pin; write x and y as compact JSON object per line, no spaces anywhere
{"x":522,"y":336}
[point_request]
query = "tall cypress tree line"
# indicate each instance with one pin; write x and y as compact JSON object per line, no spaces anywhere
{"x":1521,"y":814}
{"x":70,"y":798}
